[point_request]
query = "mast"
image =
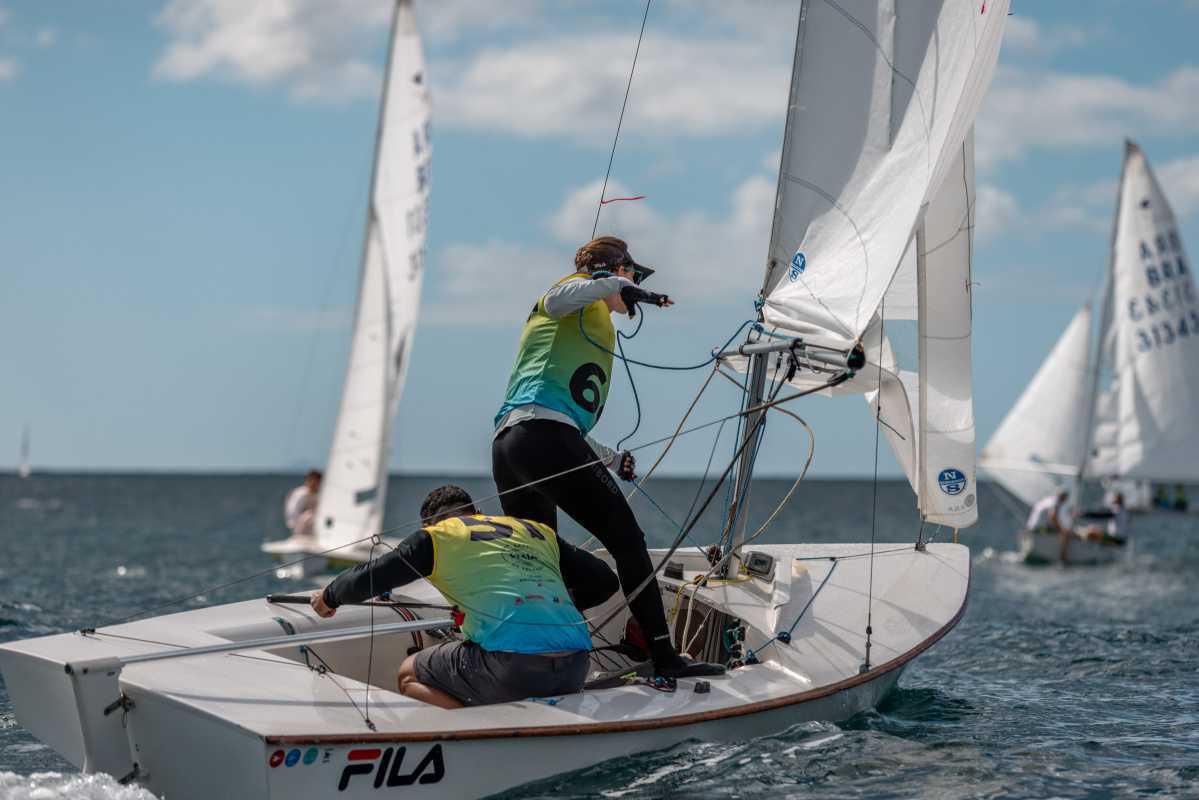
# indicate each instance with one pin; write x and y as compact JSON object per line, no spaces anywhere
{"x":1096,"y":348}
{"x":738,"y":513}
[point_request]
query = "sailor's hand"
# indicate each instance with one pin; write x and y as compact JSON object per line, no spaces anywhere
{"x":319,"y":605}
{"x":626,"y":470}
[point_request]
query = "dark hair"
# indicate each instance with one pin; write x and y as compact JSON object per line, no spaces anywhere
{"x":445,"y":501}
{"x":603,"y":252}
{"x":313,"y":473}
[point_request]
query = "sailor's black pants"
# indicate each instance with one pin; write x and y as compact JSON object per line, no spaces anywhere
{"x":535,"y":449}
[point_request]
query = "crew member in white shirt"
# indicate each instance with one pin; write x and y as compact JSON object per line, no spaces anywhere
{"x":300,"y":507}
{"x":1046,"y":515}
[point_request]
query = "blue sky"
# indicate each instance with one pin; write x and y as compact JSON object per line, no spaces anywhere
{"x":183,"y":185}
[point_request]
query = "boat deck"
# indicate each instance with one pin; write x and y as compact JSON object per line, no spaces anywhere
{"x":275,"y":696}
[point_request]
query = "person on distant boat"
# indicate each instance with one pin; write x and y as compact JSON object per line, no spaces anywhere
{"x":1180,"y":498}
{"x":541,"y":457}
{"x":1118,"y":525}
{"x":299,"y":509}
{"x":519,"y":587}
{"x":1116,"y":529}
{"x":1047,"y":514}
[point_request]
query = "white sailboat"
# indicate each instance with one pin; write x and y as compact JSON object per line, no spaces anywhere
{"x":354,"y":488}
{"x":23,"y":468}
{"x":876,"y":179}
{"x":1121,"y":409}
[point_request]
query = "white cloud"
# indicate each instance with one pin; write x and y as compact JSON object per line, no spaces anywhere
{"x":9,"y":69}
{"x":573,"y":85}
{"x":1030,"y":109}
{"x":450,"y":21}
{"x":313,"y":47}
{"x":492,"y":282}
{"x":996,"y":212}
{"x":701,"y":257}
{"x":46,"y":37}
{"x":1025,"y":36}
{"x":1180,"y":181}
{"x":1086,"y":207}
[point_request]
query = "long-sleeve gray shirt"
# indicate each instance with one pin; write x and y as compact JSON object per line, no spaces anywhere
{"x":562,"y":299}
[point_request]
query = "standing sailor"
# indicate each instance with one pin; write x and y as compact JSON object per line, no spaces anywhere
{"x":556,"y":394}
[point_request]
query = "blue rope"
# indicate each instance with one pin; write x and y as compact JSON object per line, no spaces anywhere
{"x":668,"y":367}
{"x":751,"y":656}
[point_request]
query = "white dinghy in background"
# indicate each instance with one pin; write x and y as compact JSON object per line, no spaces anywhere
{"x":872,"y":228}
{"x":1119,"y":409}
{"x":354,"y":489}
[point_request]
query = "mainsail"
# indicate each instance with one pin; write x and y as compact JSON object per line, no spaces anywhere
{"x":1151,"y":345}
{"x":874,"y":216}
{"x":1040,"y":443}
{"x":1126,"y":408}
{"x":355,"y":484}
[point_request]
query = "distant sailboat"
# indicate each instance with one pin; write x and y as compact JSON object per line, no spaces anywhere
{"x":1122,"y":409}
{"x":353,"y":491}
{"x":23,"y":469}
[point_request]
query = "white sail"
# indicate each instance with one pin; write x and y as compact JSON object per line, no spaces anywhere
{"x":880,"y":106}
{"x":355,"y":483}
{"x":1039,"y":445}
{"x":927,"y":412}
{"x":875,"y":200}
{"x":1155,"y":337}
{"x":23,"y":468}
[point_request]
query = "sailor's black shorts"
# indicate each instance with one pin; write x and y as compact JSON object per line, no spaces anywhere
{"x":478,"y":677}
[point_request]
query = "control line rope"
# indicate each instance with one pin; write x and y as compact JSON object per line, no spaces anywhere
{"x":416,"y":524}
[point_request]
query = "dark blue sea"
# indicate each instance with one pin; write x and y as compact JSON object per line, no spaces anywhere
{"x":1079,"y":682}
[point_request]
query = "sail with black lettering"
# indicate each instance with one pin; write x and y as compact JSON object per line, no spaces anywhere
{"x":354,"y":488}
{"x":1151,"y":341}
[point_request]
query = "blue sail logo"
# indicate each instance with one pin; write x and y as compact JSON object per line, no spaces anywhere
{"x":952,"y":481}
{"x":799,"y":263}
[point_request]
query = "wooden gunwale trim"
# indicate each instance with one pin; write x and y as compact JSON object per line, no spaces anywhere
{"x":678,"y":720}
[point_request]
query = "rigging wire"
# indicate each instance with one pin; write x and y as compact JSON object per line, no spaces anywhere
{"x":620,"y":123}
{"x":416,"y":524}
{"x":878,"y":416}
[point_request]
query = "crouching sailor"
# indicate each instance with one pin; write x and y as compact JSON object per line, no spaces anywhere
{"x":524,"y":636}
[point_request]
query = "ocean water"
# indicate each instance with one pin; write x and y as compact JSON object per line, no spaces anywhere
{"x":1076,"y":682}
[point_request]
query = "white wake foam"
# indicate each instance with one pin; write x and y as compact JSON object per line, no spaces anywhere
{"x":58,"y":786}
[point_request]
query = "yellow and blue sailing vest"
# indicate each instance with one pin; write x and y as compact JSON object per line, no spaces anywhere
{"x":503,"y":573}
{"x":558,"y":368}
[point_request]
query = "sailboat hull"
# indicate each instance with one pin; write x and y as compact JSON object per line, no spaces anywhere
{"x":1046,"y":548}
{"x":261,"y":723}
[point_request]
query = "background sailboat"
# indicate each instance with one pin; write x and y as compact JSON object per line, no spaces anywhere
{"x":23,"y":468}
{"x":353,"y":492}
{"x":1122,"y":408}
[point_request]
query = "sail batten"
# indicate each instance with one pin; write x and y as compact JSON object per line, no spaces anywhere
{"x":354,"y":492}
